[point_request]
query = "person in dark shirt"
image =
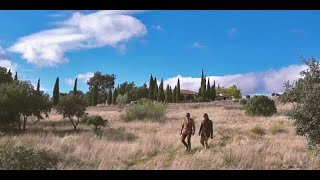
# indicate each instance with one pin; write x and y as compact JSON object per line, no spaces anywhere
{"x":187,"y":129}
{"x":206,"y":131}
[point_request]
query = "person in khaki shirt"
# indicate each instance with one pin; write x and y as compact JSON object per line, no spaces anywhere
{"x":206,"y":131}
{"x":187,"y":129}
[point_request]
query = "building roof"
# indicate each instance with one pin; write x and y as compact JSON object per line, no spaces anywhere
{"x":187,"y":92}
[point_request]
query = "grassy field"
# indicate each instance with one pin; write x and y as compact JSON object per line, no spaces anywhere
{"x":240,"y":141}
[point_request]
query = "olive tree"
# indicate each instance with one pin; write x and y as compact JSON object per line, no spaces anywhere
{"x":305,"y":93}
{"x":71,"y":106}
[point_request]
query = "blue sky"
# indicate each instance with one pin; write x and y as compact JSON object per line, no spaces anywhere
{"x":256,"y":50}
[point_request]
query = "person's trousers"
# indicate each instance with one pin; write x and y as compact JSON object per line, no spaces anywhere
{"x":204,"y":141}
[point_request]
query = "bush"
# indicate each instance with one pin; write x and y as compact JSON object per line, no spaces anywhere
{"x":21,"y":158}
{"x":243,"y":101}
{"x":258,"y":130}
{"x":277,"y":129}
{"x":122,"y":100}
{"x":261,"y":106}
{"x":145,"y":109}
{"x":96,"y":121}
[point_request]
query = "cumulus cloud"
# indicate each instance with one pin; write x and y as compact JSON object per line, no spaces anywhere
{"x":250,"y":83}
{"x":80,"y":31}
{"x":5,"y":61}
{"x":232,"y":31}
{"x":81,"y":77}
{"x":198,"y":45}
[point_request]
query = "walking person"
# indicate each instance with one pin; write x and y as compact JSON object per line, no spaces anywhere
{"x":187,"y":129}
{"x":206,"y":131}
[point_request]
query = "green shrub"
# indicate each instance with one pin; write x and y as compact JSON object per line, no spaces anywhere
{"x":261,"y":106}
{"x":122,"y":100}
{"x":96,"y":121}
{"x":258,"y":130}
{"x":278,"y":128}
{"x":145,"y":109}
{"x":243,"y":101}
{"x":21,"y":158}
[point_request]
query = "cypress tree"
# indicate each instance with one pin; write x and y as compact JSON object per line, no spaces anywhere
{"x":161,"y":96}
{"x":56,"y":92}
{"x":75,"y":90}
{"x":151,"y":88}
{"x":213,"y":91}
{"x":201,"y":84}
{"x":114,"y":98}
{"x":170,"y":94}
{"x":167,"y":98}
{"x":178,"y":91}
{"x":16,"y":77}
{"x":110,"y":97}
{"x":38,"y":85}
{"x":209,"y":97}
{"x":155,"y":89}
{"x":203,"y":90}
{"x":95,"y":94}
{"x":174,"y":93}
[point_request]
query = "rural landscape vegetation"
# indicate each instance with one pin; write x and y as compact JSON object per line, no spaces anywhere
{"x":130,"y":127}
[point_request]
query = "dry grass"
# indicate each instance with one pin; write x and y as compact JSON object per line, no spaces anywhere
{"x":152,"y":145}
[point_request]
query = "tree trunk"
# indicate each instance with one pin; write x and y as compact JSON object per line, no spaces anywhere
{"x":74,"y":125}
{"x":19,"y":124}
{"x":24,"y":122}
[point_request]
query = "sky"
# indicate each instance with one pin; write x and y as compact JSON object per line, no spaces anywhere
{"x":255,"y":50}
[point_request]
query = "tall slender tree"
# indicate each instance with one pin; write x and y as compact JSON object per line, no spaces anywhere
{"x":75,"y":89}
{"x":170,"y":96}
{"x":151,"y":88}
{"x":174,"y":94}
{"x":203,"y":90}
{"x":209,"y":95}
{"x":38,"y":85}
{"x":114,"y":98}
{"x":16,"y":77}
{"x":155,"y":88}
{"x":167,"y":97}
{"x":95,"y":94}
{"x":201,"y":84}
{"x":178,"y":91}
{"x":213,"y":91}
{"x":56,"y":92}
{"x":110,"y":97}
{"x":161,"y":95}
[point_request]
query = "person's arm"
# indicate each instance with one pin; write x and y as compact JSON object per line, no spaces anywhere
{"x":200,"y":129}
{"x":194,"y":127}
{"x":211,"y":130}
{"x":182,"y":126}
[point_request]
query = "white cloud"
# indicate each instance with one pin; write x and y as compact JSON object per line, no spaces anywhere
{"x":81,"y":77}
{"x":198,"y":45}
{"x":274,"y":79}
{"x":157,"y":27}
{"x":70,"y":81}
{"x":80,"y":31}
{"x":5,"y":61}
{"x":85,"y":77}
{"x":232,"y":31}
{"x":250,"y":83}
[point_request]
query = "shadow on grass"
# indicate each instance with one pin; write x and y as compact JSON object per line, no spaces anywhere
{"x":118,"y":134}
{"x":57,"y":132}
